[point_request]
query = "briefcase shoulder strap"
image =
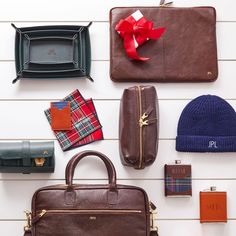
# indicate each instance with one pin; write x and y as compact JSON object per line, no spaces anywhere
{"x":28,"y":233}
{"x":152,"y":233}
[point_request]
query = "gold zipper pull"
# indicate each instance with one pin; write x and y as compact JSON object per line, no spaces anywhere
{"x":38,"y":217}
{"x":42,"y":213}
{"x":143,"y":122}
{"x":144,"y":116}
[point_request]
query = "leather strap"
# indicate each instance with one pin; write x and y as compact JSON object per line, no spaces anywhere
{"x":28,"y":233}
{"x":26,"y":153}
{"x":70,"y":168}
{"x":154,"y":233}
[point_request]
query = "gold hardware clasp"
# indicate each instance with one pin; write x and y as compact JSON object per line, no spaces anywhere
{"x":153,"y":218}
{"x":45,"y":152}
{"x":39,"y":161}
{"x":27,"y":227}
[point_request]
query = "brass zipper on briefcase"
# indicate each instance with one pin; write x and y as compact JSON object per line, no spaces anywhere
{"x":84,"y":212}
{"x":102,"y":211}
{"x":33,"y":220}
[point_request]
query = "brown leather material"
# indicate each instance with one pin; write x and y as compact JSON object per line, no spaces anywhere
{"x":138,"y":145}
{"x":187,"y":52}
{"x":60,"y":118}
{"x":28,"y":233}
{"x":90,"y":210}
{"x":153,"y":233}
{"x":213,"y":207}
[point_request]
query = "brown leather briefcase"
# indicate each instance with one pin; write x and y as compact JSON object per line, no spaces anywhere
{"x":90,"y":210}
{"x":186,"y":52}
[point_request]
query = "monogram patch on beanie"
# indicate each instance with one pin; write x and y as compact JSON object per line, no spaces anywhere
{"x":212,"y":144}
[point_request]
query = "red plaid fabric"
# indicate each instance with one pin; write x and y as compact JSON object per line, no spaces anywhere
{"x":86,"y":127}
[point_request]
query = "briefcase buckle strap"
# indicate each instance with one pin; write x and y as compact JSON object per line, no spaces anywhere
{"x":27,"y":227}
{"x":153,"y":218}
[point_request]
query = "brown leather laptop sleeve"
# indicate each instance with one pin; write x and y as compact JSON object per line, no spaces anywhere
{"x":187,"y":51}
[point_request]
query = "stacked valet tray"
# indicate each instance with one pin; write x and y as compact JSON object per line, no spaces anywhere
{"x":52,"y":52}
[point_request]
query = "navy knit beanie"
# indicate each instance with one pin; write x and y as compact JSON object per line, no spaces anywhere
{"x":207,"y":124}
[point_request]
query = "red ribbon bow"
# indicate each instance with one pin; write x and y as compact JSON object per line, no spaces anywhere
{"x":141,"y":30}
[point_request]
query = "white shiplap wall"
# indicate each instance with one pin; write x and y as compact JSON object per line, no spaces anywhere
{"x":177,"y":217}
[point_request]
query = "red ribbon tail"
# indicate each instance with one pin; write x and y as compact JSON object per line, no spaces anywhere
{"x":131,"y":50}
{"x":156,"y":33}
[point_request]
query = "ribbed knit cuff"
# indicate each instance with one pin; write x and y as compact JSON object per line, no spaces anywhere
{"x":205,"y":143}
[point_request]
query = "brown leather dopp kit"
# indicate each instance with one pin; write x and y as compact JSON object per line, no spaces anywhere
{"x":139,"y":126}
{"x":89,"y":210}
{"x":186,"y":52}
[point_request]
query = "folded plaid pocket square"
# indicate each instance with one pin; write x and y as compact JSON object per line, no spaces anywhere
{"x":86,"y":127}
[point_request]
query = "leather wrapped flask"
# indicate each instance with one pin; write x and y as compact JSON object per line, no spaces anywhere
{"x":27,"y":157}
{"x":178,"y":180}
{"x":91,"y":210}
{"x":213,"y":206}
{"x":139,"y":126}
{"x":186,"y":52}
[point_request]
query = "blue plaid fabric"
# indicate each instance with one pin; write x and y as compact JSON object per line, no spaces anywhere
{"x":178,"y":183}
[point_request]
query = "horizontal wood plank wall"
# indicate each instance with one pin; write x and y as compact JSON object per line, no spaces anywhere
{"x":22,"y":116}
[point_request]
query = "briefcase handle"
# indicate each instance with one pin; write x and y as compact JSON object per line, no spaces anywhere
{"x":70,"y":168}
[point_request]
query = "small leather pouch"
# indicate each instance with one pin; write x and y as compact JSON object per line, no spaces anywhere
{"x":213,"y":206}
{"x":27,"y":157}
{"x":178,"y":180}
{"x":60,"y":115}
{"x":139,"y":126}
